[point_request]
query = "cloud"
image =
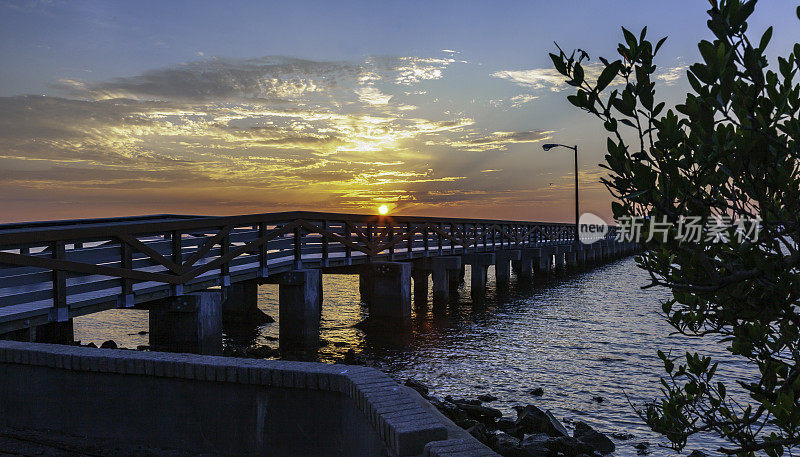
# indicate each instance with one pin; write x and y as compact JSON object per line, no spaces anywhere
{"x":550,"y":79}
{"x":269,"y":78}
{"x":372,"y":95}
{"x":501,"y":140}
{"x":226,"y":135}
{"x":412,"y":70}
{"x":671,"y":75}
{"x":537,"y":78}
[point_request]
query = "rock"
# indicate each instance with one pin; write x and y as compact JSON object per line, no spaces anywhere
{"x":110,"y":344}
{"x":481,"y":413}
{"x":143,"y":332}
{"x":487,"y":398}
{"x":698,"y":454}
{"x":258,"y":317}
{"x":568,"y":446}
{"x":350,"y":358}
{"x":533,"y":420}
{"x":623,"y":436}
{"x":507,"y":445}
{"x":143,"y":347}
{"x":435,"y":401}
{"x":463,"y":401}
{"x":480,"y":432}
{"x":91,"y":345}
{"x":598,"y":399}
{"x":505,"y":423}
{"x":537,"y":392}
{"x":599,"y":442}
{"x":466,"y":424}
{"x":419,"y":386}
{"x":641,"y":446}
{"x":262,"y":352}
{"x":453,"y":412}
{"x":536,"y":445}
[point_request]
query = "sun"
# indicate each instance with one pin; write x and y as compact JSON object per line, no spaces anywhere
{"x":383,"y":209}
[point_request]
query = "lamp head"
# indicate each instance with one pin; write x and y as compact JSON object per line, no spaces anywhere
{"x":549,"y":146}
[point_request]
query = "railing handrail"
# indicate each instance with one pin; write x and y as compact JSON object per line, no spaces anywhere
{"x":82,"y":229}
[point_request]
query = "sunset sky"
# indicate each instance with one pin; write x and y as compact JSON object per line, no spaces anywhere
{"x":433,"y":108}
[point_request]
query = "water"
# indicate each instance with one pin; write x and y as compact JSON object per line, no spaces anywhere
{"x":591,"y":334}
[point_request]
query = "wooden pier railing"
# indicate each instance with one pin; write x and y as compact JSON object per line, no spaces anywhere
{"x":52,"y":271}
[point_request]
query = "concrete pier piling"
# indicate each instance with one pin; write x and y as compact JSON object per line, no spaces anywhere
{"x":187,"y":323}
{"x":560,"y":255}
{"x":443,"y":270}
{"x":365,"y":287}
{"x":298,"y":303}
{"x":420,"y":276}
{"x":479,"y":266}
{"x":527,"y":258}
{"x":55,"y":333}
{"x":544,"y":262}
{"x":502,"y":267}
{"x":580,"y":257}
{"x":240,"y":304}
{"x":571,"y":259}
{"x":390,"y":292}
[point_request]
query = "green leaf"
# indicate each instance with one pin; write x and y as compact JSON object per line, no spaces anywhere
{"x":765,"y":39}
{"x":658,"y":45}
{"x":559,"y":64}
{"x":630,"y":38}
{"x":577,"y":75}
{"x":608,"y":75}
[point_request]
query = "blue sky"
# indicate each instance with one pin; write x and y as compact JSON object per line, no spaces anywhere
{"x":435,"y":108}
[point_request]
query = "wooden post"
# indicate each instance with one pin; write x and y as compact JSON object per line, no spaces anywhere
{"x":263,"y":254}
{"x":298,"y":249}
{"x":61,"y":313}
{"x":176,"y":243}
{"x":225,"y":268}
{"x":126,"y":262}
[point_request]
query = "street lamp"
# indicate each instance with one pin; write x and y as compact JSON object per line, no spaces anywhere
{"x":549,"y":146}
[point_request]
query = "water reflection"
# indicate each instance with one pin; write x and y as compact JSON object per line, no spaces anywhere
{"x":592,"y":334}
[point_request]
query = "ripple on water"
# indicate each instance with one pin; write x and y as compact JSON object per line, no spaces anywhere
{"x":591,"y":334}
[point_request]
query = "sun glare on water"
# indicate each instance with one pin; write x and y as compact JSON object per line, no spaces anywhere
{"x":383,"y":209}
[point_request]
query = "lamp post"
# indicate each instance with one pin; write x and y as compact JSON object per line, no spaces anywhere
{"x":549,"y":146}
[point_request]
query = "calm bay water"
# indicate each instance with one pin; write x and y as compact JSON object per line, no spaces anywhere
{"x":579,"y":336}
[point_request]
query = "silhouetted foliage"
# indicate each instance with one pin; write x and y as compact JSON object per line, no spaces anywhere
{"x":730,"y":150}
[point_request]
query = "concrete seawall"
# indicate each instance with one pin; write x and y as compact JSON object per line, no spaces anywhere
{"x":222,"y":405}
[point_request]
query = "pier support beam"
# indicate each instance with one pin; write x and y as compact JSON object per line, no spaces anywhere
{"x":390,"y":294}
{"x":365,"y":287}
{"x":607,"y":256}
{"x":544,"y":264}
{"x":591,"y":254}
{"x":52,"y":333}
{"x":502,"y":268}
{"x":240,"y":304}
{"x":580,"y":257}
{"x":298,"y":303}
{"x":443,"y":269}
{"x":55,"y":333}
{"x":572,"y":260}
{"x":187,"y":323}
{"x":420,"y":276}
{"x":561,"y":255}
{"x":527,"y":258}
{"x":479,"y":265}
